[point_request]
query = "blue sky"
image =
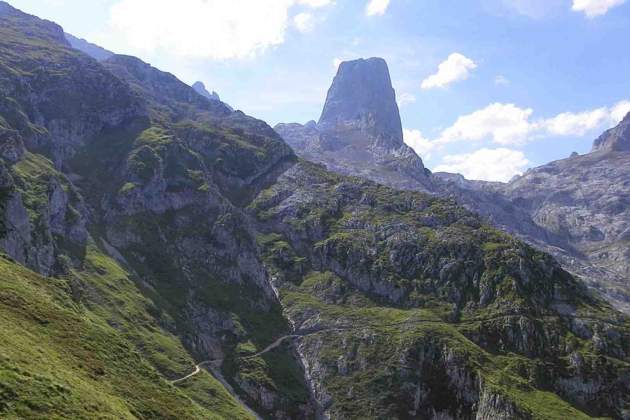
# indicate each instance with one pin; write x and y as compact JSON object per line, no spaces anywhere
{"x":487,"y":88}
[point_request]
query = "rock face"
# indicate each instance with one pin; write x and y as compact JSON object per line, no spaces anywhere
{"x":168,"y":230}
{"x":585,"y":200}
{"x":360,"y":131}
{"x":577,"y":209}
{"x":616,"y":139}
{"x":362,"y":97}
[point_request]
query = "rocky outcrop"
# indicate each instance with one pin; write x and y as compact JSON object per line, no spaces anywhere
{"x":64,"y":110}
{"x":362,"y":97}
{"x":616,"y":139}
{"x":359,"y":131}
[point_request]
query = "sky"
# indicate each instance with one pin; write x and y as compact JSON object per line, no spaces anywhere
{"x":486,"y":88}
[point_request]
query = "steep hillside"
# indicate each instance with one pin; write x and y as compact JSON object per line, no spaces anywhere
{"x":166,"y":257}
{"x":128,"y":158}
{"x":574,"y":209}
{"x":425,"y":312}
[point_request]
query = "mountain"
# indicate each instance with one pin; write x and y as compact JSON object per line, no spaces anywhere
{"x":93,"y":50}
{"x":359,"y":131}
{"x":580,"y":205}
{"x":166,"y":257}
{"x":575,"y":209}
{"x":586,"y":200}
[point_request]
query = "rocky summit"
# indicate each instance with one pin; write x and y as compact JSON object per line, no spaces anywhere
{"x":165,"y":257}
{"x":359,"y":131}
{"x":362,"y":96}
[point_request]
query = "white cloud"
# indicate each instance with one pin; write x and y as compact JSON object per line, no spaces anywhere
{"x":316,"y":3}
{"x":577,"y":124}
{"x":303,"y":22}
{"x":619,"y":111}
{"x":405,"y":99}
{"x":508,"y":124}
{"x":594,"y":8}
{"x":376,"y":7}
{"x":501,"y":80}
{"x":456,"y":67}
{"x":337,"y":62}
{"x":502,"y":123}
{"x":422,"y":145}
{"x":215,"y":29}
{"x":486,"y":164}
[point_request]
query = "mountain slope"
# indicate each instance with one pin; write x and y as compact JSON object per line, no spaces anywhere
{"x":424,"y":311}
{"x":129,"y":158}
{"x":175,"y":231}
{"x":574,"y":209}
{"x":86,"y":345}
{"x":585,"y":199}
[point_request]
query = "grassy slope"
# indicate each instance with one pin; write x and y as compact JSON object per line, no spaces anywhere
{"x":86,"y":345}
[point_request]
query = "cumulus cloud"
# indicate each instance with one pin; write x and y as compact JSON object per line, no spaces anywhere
{"x":422,"y":146}
{"x":215,"y":29}
{"x":508,"y":124}
{"x":376,"y":7}
{"x":578,"y":124}
{"x":594,"y":8}
{"x":456,"y":67}
{"x":486,"y":164}
{"x":502,"y":123}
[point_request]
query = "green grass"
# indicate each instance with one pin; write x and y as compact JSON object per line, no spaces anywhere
{"x":72,"y":354}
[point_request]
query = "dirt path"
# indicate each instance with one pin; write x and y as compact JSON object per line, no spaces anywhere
{"x":408,"y":322}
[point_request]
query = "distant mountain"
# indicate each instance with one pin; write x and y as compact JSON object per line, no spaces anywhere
{"x":586,"y":200}
{"x":93,"y":50}
{"x":359,"y":131}
{"x":580,"y":206}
